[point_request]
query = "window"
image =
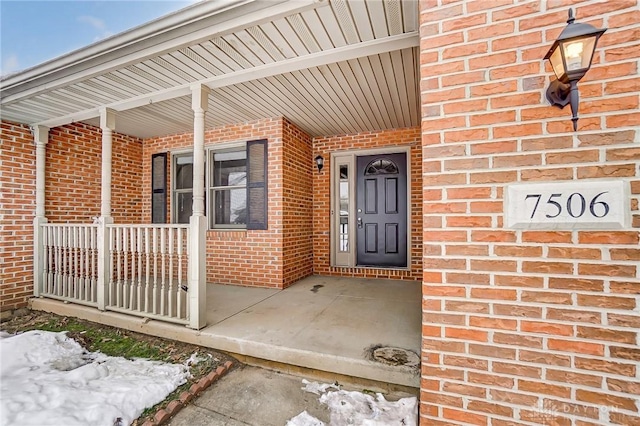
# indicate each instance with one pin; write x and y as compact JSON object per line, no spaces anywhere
{"x":236,"y":193}
{"x":228,"y":188}
{"x":182,"y":197}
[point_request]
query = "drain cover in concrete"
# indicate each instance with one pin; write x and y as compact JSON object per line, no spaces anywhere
{"x":396,"y":356}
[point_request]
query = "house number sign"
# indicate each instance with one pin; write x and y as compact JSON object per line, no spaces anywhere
{"x":567,"y":205}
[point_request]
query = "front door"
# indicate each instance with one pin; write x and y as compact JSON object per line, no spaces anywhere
{"x":381,"y":210}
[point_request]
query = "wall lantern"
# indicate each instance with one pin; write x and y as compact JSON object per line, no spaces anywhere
{"x":319,"y":162}
{"x":570,"y":57}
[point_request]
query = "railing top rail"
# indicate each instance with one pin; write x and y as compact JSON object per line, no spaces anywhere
{"x":79,"y":225}
{"x":148,"y":226}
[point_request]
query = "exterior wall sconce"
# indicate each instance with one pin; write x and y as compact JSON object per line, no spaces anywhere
{"x":319,"y":162}
{"x":570,"y":57}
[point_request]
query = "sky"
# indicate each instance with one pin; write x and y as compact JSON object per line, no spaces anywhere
{"x":33,"y":32}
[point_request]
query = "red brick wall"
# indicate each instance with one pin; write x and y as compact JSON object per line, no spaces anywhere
{"x":297,"y":201}
{"x":72,"y":193}
{"x":526,"y":327}
{"x":251,"y":258}
{"x":322,"y":202}
{"x":17,"y":206}
{"x":74,"y":170}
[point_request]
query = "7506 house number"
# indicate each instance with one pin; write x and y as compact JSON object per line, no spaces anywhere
{"x":567,"y":205}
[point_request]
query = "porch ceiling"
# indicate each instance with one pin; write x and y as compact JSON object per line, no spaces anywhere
{"x":332,"y":67}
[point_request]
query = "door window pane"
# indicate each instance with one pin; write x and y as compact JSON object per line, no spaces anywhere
{"x":343,"y":230}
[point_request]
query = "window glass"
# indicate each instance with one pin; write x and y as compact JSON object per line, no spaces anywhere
{"x":182,"y":198}
{"x":231,"y":206}
{"x":230,"y":168}
{"x":228,"y":190}
{"x":381,"y":167}
{"x":184,"y":172}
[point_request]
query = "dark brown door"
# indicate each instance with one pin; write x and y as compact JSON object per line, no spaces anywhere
{"x":381,"y":210}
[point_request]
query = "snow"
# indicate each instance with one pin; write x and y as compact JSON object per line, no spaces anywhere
{"x":317,"y":388}
{"x":357,"y":408}
{"x":49,"y":379}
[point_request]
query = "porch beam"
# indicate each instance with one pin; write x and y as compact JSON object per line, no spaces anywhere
{"x":41,"y":138}
{"x":326,"y":57}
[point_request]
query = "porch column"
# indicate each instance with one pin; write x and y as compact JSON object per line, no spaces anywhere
{"x":41,"y":138}
{"x":107,"y":124}
{"x":198,"y":221}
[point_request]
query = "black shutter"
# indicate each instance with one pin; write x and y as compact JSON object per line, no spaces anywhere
{"x":257,"y":184}
{"x":159,"y":188}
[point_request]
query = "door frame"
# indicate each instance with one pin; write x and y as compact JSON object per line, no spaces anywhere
{"x":348,"y":259}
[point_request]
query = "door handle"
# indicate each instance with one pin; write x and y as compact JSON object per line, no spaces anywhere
{"x":359,"y":222}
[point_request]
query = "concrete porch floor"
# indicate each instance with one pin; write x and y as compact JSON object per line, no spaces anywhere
{"x":320,"y":323}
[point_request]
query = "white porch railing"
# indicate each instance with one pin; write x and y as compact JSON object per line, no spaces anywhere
{"x":70,"y":263}
{"x":148,"y":267}
{"x":141,"y":270}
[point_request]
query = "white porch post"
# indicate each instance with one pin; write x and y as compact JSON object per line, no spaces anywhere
{"x":41,"y":138}
{"x":198,"y":221}
{"x":107,"y":124}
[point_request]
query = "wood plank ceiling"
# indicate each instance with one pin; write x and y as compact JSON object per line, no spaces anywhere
{"x":368,"y":93}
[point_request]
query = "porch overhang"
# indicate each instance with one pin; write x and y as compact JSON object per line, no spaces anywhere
{"x":332,"y":67}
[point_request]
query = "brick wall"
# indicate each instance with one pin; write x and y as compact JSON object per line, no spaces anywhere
{"x":526,"y":327}
{"x":322,"y":201}
{"x":17,"y":206}
{"x":72,"y":193}
{"x":297,"y":201}
{"x":251,"y":258}
{"x":74,"y":170}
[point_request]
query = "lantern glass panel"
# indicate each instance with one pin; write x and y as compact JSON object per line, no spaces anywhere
{"x":557,"y":63}
{"x":578,"y":53}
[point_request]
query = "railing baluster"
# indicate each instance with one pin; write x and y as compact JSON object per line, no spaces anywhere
{"x":170,"y":309}
{"x":163,"y":260}
{"x":112,"y":263}
{"x":179,"y":301}
{"x":147,"y":270}
{"x":45,"y":259}
{"x":155,"y":270}
{"x":125,"y":268}
{"x":94,"y":264}
{"x":85,"y":261}
{"x":118,"y":267}
{"x":58,"y":257}
{"x":66,"y":251}
{"x":132,"y":254}
{"x":139,"y":241}
{"x":79,"y":259}
{"x":74,"y":258}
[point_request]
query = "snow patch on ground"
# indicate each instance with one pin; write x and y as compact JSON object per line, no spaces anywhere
{"x":49,"y":379}
{"x":357,"y":408}
{"x":318,"y":388}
